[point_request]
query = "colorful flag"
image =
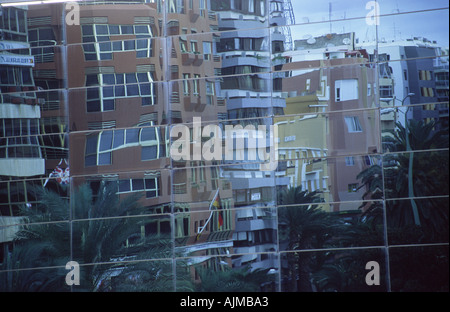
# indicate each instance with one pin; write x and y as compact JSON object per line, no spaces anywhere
{"x":62,"y":176}
{"x":218,"y":207}
{"x":215,"y":204}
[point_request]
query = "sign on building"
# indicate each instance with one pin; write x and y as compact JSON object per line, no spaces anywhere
{"x":17,"y":60}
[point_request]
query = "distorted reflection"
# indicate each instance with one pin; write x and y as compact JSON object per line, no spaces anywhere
{"x":238,"y":145}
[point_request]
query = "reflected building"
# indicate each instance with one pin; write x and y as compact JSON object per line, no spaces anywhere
{"x":418,"y":66}
{"x":130,"y":97}
{"x":46,"y":36}
{"x":247,"y":57}
{"x":21,"y":159}
{"x":441,"y":75}
{"x":102,"y":101}
{"x":328,"y":75}
{"x":106,"y":82}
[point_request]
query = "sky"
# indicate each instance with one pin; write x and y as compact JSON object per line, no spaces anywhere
{"x":423,"y":21}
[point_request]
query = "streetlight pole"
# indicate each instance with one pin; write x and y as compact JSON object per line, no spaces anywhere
{"x":410,"y":167}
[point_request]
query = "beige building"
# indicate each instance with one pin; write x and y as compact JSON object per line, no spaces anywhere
{"x":302,"y":146}
{"x":330,"y":112}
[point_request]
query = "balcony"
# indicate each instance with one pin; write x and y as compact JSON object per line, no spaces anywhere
{"x":194,"y":14}
{"x":22,"y":167}
{"x":173,"y":28}
{"x":193,"y":103}
{"x":200,"y":107}
{"x":189,"y":106}
{"x":187,"y":58}
{"x":442,"y":84}
{"x":180,"y":188}
{"x":198,"y":60}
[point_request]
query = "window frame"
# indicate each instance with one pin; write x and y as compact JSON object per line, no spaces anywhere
{"x":353,"y":124}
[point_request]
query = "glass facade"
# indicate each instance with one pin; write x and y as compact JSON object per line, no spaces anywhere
{"x":238,"y":145}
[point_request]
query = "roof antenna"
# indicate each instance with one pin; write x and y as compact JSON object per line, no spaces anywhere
{"x":329,"y":16}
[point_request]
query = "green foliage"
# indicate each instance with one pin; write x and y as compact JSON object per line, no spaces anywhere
{"x":98,"y":238}
{"x":430,"y":179}
{"x":232,"y":280}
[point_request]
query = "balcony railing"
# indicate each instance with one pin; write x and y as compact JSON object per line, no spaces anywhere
{"x":180,"y":188}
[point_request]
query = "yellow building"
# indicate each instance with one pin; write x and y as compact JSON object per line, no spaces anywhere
{"x":302,"y":146}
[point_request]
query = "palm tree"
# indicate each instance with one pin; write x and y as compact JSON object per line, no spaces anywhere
{"x":345,"y":271}
{"x":232,"y":280}
{"x":19,"y":275}
{"x":34,"y":247}
{"x":100,"y":232}
{"x":303,"y":225}
{"x":295,"y":195}
{"x":150,"y":275}
{"x":430,"y":178}
{"x":372,"y":180}
{"x":422,"y":136}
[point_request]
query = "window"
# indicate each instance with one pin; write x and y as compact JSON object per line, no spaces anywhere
{"x":186,"y":84}
{"x":118,"y":86}
{"x":424,"y":75}
{"x":214,"y":177}
{"x":427,"y":92}
{"x":42,"y":40}
{"x":176,"y":6}
{"x":353,"y":124}
{"x":253,"y":44}
{"x":237,"y":5}
{"x":131,"y":136}
{"x":262,"y":7}
{"x":16,"y":194}
{"x":7,"y":76}
{"x":202,"y":169}
{"x":368,"y":160}
{"x":277,"y":46}
{"x":194,"y":48}
{"x":93,"y":102}
{"x":353,"y":187}
{"x":98,"y":46}
{"x":386,"y":92}
{"x":152,"y":187}
{"x":99,"y":147}
{"x":16,"y":76}
{"x":195,"y":84}
{"x":210,"y":92}
{"x":144,"y":48}
{"x":180,"y":6}
{"x":183,"y":46}
{"x":149,"y":185}
{"x":207,"y":50}
{"x":346,"y":90}
{"x":90,"y":158}
{"x":150,"y":139}
{"x":338,"y":94}
{"x":19,"y":138}
{"x":105,"y":148}
{"x":13,"y":23}
{"x":226,"y":44}
{"x":349,"y":161}
{"x":149,"y":152}
{"x":276,"y":7}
